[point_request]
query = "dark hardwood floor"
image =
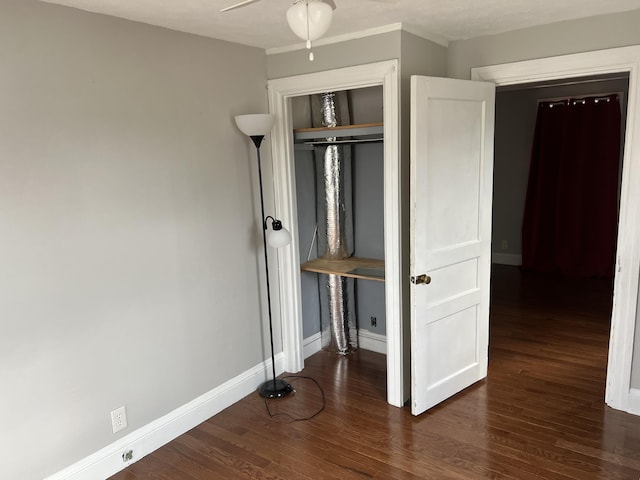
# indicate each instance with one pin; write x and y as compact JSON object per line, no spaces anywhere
{"x":540,"y":413}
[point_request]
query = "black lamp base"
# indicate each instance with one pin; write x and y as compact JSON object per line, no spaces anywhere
{"x":275,"y":389}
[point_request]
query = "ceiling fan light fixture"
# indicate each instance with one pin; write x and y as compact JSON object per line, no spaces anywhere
{"x":309,"y":19}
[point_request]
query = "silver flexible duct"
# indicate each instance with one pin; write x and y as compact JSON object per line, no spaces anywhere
{"x":339,"y":331}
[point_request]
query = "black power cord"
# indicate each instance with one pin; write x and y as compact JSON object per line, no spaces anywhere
{"x":285,"y":414}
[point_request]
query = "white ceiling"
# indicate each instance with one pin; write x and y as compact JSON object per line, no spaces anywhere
{"x":263,"y":23}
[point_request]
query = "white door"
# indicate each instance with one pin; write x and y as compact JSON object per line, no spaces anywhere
{"x":451,"y":190}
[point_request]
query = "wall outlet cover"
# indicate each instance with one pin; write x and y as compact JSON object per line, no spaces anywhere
{"x":119,"y":419}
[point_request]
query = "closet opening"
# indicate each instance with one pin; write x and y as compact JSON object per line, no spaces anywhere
{"x":338,"y":139}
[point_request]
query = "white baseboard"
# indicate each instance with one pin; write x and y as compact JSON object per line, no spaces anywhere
{"x":634,"y":401}
{"x":372,"y":341}
{"x":366,"y":340}
{"x":311,"y":345}
{"x":506,"y":259}
{"x":108,"y":461}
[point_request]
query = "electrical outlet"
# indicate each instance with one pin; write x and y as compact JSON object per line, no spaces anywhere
{"x":504,"y":245}
{"x":119,"y":419}
{"x":374,"y":322}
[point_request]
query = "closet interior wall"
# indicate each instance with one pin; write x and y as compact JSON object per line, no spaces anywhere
{"x":368,"y":213}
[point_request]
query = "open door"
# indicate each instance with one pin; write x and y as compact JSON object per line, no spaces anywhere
{"x":451,"y":190}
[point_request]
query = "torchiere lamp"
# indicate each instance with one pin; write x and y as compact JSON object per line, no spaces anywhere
{"x":257,"y":126}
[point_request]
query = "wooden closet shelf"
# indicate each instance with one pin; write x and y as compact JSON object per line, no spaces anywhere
{"x":364,"y":132}
{"x":354,"y":267}
{"x":332,"y":129}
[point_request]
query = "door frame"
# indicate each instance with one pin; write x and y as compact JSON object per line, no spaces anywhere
{"x":618,"y":393}
{"x":385,"y":74}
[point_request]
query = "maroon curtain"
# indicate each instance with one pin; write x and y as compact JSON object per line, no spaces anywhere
{"x":571,"y":210}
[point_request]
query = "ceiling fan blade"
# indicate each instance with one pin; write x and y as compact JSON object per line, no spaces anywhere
{"x":238,"y":5}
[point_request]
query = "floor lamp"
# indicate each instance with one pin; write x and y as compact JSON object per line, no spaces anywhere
{"x":256,"y":126}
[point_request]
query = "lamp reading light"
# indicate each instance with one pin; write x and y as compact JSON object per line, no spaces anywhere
{"x":279,"y":236}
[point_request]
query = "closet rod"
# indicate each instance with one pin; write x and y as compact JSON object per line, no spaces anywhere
{"x":338,"y":142}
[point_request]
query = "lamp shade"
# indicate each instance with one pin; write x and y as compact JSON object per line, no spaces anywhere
{"x":279,"y":238}
{"x":309,"y":19}
{"x":255,"y":123}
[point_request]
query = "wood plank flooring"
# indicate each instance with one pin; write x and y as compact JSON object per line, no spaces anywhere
{"x":539,"y":414}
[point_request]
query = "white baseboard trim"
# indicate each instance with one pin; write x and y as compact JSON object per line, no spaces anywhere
{"x":372,"y":341}
{"x":311,"y":345}
{"x":108,"y":461}
{"x":634,"y":401}
{"x":366,"y":340}
{"x":506,"y":259}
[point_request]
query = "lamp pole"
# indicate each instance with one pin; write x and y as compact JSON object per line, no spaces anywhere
{"x":275,"y":388}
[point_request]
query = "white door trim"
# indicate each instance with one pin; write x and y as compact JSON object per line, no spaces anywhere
{"x":625,"y":300}
{"x":280,"y":91}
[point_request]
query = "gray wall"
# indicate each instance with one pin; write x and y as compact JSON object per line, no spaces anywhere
{"x":376,"y":48}
{"x":305,"y":173}
{"x":516,"y":112}
{"x":584,"y":35}
{"x":130,"y":255}
{"x":368,"y":207}
{"x":306,"y":203}
{"x":594,"y":33}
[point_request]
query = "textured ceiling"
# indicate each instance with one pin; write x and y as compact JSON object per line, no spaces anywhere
{"x":263,"y":23}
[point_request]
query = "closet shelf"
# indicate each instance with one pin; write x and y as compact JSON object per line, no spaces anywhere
{"x":354,"y":267}
{"x":362,"y":133}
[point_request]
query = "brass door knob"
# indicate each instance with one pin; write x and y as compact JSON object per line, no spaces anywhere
{"x":423,"y":279}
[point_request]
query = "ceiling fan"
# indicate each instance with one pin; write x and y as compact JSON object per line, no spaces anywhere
{"x":308,"y":19}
